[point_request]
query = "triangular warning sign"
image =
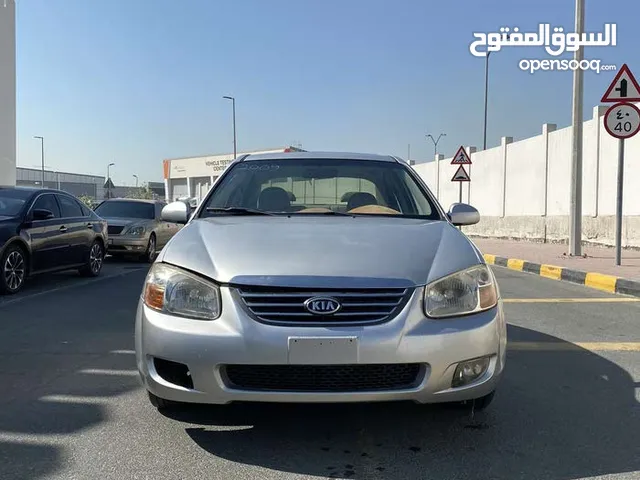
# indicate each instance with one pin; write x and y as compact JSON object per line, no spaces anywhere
{"x":461,"y":157}
{"x":624,"y":88}
{"x":108,"y":184}
{"x":461,"y":175}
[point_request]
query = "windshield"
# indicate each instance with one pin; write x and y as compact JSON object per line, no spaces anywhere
{"x":12,"y":201}
{"x":306,"y":186}
{"x":126,"y":210}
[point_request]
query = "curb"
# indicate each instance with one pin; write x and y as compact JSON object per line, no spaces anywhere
{"x":599,"y":281}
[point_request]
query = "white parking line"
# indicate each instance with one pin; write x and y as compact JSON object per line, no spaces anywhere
{"x":72,"y":399}
{"x":66,"y":287}
{"x":30,"y":439}
{"x":123,"y":352}
{"x":98,"y":371}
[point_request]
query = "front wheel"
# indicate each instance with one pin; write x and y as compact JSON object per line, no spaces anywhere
{"x":95,"y":260}
{"x":150,"y":254}
{"x":13,"y":270}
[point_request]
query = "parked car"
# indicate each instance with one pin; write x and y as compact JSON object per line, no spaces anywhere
{"x":136,"y":227}
{"x":43,"y":230}
{"x":370,"y":296}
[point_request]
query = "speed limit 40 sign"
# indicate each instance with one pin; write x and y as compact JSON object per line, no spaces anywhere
{"x":622,"y":120}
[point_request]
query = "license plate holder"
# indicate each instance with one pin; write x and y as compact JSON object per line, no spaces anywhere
{"x":323,"y":350}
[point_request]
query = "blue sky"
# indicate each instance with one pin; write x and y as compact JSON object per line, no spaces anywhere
{"x":136,"y":81}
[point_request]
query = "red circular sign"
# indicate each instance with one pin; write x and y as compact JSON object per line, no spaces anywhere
{"x":622,"y":120}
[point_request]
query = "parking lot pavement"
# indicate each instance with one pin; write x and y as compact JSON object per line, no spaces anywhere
{"x":41,"y":284}
{"x":72,"y":406}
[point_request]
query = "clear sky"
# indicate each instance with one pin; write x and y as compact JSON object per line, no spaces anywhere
{"x":136,"y":81}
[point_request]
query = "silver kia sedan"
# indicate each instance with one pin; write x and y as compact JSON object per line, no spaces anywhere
{"x":320,"y":277}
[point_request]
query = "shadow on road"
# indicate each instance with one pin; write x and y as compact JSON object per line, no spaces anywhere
{"x":557,"y":415}
{"x":28,"y":461}
{"x":61,"y":359}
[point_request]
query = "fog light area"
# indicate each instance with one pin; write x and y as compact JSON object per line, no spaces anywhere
{"x":469,"y":371}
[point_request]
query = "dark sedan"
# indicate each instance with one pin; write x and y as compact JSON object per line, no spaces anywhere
{"x":43,"y":231}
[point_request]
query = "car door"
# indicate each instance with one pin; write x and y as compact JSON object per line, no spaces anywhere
{"x":74,"y":224}
{"x":49,"y":245}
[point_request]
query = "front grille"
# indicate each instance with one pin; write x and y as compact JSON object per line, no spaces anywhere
{"x":285,"y":306}
{"x":323,"y":378}
{"x":114,"y":229}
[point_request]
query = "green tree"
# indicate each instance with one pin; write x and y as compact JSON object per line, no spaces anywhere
{"x":143,"y":192}
{"x":87,"y":200}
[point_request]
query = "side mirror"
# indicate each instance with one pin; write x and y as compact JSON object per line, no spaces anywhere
{"x":42,"y":214}
{"x":175,"y":212}
{"x":463,"y":214}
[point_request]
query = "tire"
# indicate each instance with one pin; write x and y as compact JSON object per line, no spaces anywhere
{"x":161,"y":403}
{"x":152,"y":252}
{"x":13,"y":269}
{"x":94,"y":261}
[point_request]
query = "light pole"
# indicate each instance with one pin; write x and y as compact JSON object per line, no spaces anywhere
{"x":41,"y":156}
{"x":109,"y":179}
{"x":435,"y":153}
{"x":486,"y":98}
{"x":136,"y":177}
{"x":575,"y":213}
{"x":235,"y":146}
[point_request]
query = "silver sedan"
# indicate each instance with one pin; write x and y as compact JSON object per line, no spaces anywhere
{"x":361,"y":289}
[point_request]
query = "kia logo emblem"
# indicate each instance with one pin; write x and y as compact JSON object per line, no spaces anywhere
{"x":322,"y":305}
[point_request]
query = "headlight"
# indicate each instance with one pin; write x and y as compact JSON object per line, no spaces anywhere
{"x":136,"y":231}
{"x":469,"y":291}
{"x":175,"y":291}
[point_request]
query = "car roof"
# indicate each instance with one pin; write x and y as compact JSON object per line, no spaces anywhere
{"x":321,"y":156}
{"x":139,"y":200}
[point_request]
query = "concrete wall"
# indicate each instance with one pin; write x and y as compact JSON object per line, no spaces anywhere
{"x":7,"y":92}
{"x":522,"y":189}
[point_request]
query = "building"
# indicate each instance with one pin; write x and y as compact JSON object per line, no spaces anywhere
{"x":7,"y":92}
{"x":192,"y":177}
{"x":75,"y":183}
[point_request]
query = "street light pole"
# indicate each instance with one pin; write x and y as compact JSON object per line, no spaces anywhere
{"x":41,"y":156}
{"x":136,"y":177}
{"x":235,"y":146}
{"x":486,"y":98}
{"x":575,"y":213}
{"x":109,"y":179}
{"x":435,"y":153}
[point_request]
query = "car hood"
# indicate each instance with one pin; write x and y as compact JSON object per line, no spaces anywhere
{"x":321,"y":251}
{"x":6,"y":218}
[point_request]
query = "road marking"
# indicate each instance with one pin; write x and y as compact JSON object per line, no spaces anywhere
{"x":29,"y":439}
{"x":127,"y":352}
{"x":601,"y":282}
{"x":578,"y":346}
{"x":572,"y":300}
{"x":515,"y":264}
{"x":551,"y":271}
{"x":98,"y":371}
{"x":72,"y":399}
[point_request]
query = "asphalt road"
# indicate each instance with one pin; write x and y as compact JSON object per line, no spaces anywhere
{"x":72,"y":407}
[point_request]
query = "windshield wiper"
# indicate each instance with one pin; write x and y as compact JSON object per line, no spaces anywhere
{"x":237,"y":211}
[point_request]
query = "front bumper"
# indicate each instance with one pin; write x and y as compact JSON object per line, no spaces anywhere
{"x":206,"y":347}
{"x":127,"y":245}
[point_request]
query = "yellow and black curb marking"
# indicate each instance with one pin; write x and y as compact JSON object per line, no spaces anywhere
{"x":606,"y":283}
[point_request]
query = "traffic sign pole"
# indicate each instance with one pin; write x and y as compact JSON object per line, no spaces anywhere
{"x":622,"y":121}
{"x":619,"y":201}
